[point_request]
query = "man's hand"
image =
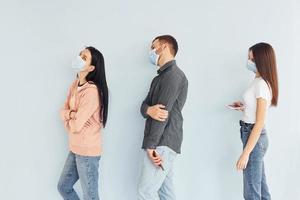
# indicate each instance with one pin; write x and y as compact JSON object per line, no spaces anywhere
{"x":157,"y":161}
{"x":158,"y":112}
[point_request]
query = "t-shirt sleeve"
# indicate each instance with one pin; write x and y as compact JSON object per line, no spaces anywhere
{"x":263,"y":90}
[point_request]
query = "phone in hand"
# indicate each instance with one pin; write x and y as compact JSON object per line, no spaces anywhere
{"x":235,"y":107}
{"x":155,"y":155}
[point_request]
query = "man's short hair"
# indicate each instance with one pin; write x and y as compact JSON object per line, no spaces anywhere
{"x":170,"y":40}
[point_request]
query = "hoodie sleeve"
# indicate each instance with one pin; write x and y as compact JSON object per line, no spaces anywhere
{"x":88,"y":105}
{"x":65,"y":110}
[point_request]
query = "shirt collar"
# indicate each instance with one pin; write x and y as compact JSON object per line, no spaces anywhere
{"x":165,"y":66}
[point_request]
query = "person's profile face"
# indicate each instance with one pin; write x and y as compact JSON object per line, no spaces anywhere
{"x":250,"y":56}
{"x":155,"y":45}
{"x":158,"y":46}
{"x":86,"y":56}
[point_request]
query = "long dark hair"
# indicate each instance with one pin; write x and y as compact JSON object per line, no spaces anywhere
{"x":97,"y":76}
{"x":265,"y":60}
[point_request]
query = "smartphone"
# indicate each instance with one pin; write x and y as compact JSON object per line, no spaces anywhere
{"x":155,"y":155}
{"x":234,"y":107}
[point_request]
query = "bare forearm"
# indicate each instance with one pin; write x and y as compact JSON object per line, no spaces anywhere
{"x":253,"y":138}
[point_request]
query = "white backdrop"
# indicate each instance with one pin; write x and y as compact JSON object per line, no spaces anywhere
{"x":39,"y":39}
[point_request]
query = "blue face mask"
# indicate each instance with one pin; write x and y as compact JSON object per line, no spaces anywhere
{"x":251,"y":66}
{"x":78,"y":64}
{"x":153,"y":57}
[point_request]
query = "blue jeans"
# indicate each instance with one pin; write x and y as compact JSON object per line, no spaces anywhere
{"x":255,"y":184}
{"x":154,"y":182}
{"x":84,"y":168}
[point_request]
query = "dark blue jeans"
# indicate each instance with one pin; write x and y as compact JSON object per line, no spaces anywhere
{"x":84,"y":168}
{"x":255,"y":184}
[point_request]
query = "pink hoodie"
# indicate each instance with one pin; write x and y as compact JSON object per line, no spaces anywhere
{"x":85,"y":128}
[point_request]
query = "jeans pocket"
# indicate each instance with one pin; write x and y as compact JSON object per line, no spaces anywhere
{"x":260,"y":145}
{"x":245,"y":131}
{"x":263,"y":143}
{"x":168,"y":156}
{"x":266,"y":143}
{"x":160,"y":151}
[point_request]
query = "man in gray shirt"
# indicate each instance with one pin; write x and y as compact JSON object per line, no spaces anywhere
{"x":163,"y":129}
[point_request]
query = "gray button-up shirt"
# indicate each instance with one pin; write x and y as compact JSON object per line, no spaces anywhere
{"x":168,"y":88}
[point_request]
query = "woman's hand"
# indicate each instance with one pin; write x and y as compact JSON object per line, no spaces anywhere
{"x":72,"y":114}
{"x":238,"y":105}
{"x":242,"y":162}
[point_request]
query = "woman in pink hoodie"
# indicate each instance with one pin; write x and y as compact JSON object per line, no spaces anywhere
{"x":84,"y":115}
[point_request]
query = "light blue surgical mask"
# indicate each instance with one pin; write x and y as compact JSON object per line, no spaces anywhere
{"x":251,"y":66}
{"x":153,"y":56}
{"x":78,"y":64}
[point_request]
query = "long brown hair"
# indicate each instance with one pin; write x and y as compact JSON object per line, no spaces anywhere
{"x":265,"y":60}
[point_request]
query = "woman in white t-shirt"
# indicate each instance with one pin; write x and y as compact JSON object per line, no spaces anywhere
{"x":261,"y":94}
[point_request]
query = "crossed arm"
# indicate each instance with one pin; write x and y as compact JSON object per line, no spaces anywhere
{"x":75,"y":120}
{"x":159,"y":114}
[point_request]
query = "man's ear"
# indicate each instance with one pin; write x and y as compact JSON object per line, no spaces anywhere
{"x":164,"y":46}
{"x":167,"y":47}
{"x":91,"y":68}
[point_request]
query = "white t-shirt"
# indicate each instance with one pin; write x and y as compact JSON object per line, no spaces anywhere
{"x":258,"y":89}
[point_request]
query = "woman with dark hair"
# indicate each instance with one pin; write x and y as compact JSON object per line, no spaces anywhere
{"x":262,"y":93}
{"x":84,"y":115}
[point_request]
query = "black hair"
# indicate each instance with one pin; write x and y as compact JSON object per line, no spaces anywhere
{"x":98,"y":77}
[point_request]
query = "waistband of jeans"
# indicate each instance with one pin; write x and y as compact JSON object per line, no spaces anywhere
{"x":249,"y":127}
{"x":242,"y":123}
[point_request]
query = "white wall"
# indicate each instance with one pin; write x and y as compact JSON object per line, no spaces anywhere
{"x":39,"y":39}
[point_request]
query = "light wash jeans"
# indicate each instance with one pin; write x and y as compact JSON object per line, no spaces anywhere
{"x":154,"y":183}
{"x":255,"y":184}
{"x":84,"y":168}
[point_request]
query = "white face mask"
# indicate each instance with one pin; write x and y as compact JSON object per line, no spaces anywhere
{"x":153,"y":57}
{"x":78,"y":64}
{"x":251,"y":66}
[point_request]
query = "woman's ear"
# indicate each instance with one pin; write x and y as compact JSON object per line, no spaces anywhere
{"x":91,"y":68}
